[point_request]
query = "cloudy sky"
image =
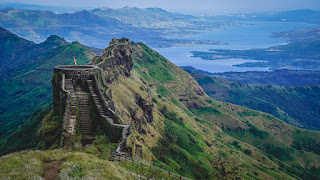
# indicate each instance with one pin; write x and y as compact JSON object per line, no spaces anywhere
{"x":196,"y":5}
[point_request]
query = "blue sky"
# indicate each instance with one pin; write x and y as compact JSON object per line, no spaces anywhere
{"x":195,"y":5}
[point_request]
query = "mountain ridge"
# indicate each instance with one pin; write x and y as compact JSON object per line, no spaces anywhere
{"x":190,"y":133}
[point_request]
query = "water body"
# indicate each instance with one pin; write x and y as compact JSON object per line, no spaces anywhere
{"x":255,"y":34}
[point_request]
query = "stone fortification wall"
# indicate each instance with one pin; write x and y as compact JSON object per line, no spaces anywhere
{"x":84,"y":72}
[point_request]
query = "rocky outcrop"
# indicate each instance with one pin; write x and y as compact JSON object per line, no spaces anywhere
{"x":115,"y":60}
{"x":146,"y":106}
{"x":116,"y":65}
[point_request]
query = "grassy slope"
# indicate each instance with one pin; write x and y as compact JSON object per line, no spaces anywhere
{"x":186,"y":126}
{"x":297,"y":105}
{"x":191,"y":133}
{"x":29,"y":82}
{"x":73,"y":165}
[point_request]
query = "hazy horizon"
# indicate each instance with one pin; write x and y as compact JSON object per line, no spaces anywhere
{"x":186,"y":6}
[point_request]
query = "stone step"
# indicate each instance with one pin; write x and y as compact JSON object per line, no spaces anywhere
{"x":83,"y":103}
{"x":83,"y":97}
{"x":85,"y":126}
{"x":85,"y":123}
{"x":81,"y":115}
{"x":84,"y":106}
{"x":84,"y":111}
{"x":84,"y":115}
{"x":82,"y":121}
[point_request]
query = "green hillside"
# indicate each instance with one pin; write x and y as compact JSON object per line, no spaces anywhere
{"x":175,"y":125}
{"x":281,"y":77}
{"x":25,"y":74}
{"x":297,"y":105}
{"x":246,"y":125}
{"x":86,"y":164}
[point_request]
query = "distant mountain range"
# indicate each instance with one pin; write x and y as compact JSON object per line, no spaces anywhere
{"x":302,"y":15}
{"x":56,"y":9}
{"x":98,"y":26}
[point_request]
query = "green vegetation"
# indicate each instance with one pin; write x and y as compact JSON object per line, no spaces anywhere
{"x":25,"y":78}
{"x":163,"y":91}
{"x":249,"y":113}
{"x":259,"y":130}
{"x":182,"y":148}
{"x":77,"y":172}
{"x":278,"y":77}
{"x":297,"y":105}
{"x":74,"y":165}
{"x":154,"y":63}
{"x":178,"y":127}
{"x":27,"y":136}
{"x":206,"y":110}
{"x":52,"y":130}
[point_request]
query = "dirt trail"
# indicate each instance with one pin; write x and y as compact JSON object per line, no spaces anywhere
{"x":51,"y":170}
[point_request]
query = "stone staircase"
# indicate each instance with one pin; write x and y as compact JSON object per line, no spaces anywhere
{"x":78,"y":111}
{"x":105,"y":112}
{"x":71,"y":119}
{"x":85,"y":122}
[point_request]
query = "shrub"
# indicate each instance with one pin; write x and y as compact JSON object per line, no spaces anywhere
{"x":77,"y":171}
{"x":247,"y":151}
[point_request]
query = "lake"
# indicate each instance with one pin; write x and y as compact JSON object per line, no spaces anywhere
{"x":247,"y":36}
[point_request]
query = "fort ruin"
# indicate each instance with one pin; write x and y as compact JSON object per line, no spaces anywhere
{"x":78,"y":100}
